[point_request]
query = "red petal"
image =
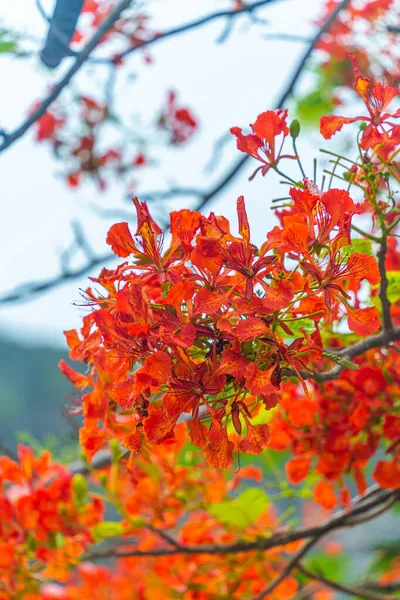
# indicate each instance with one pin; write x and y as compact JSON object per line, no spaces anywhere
{"x":120,"y":239}
{"x":364,"y":321}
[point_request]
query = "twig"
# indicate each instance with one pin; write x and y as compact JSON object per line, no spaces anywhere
{"x":287,"y":570}
{"x":248,"y":8}
{"x":389,"y":587}
{"x":65,"y":80}
{"x":372,"y":499}
{"x":348,"y":589}
{"x":383,"y":338}
{"x":387,"y":318}
{"x":27,"y":291}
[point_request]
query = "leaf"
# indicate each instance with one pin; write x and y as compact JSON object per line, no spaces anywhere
{"x":243,"y":511}
{"x":343,"y":362}
{"x":313,"y":106}
{"x":331,"y":565}
{"x":107,"y":529}
{"x":393,"y":291}
{"x":301,"y":325}
{"x":8,"y":47}
{"x":360,"y":245}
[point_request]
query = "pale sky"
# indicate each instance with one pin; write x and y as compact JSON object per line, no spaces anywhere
{"x":227,"y":84}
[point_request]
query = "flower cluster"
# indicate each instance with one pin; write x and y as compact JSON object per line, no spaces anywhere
{"x":204,"y":329}
{"x":79,"y":139}
{"x":46,"y":522}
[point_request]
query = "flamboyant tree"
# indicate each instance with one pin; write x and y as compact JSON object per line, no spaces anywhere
{"x":239,"y":404}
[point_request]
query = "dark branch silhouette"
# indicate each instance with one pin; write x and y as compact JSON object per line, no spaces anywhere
{"x":10,"y":137}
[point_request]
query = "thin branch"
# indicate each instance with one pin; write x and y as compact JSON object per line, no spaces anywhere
{"x":65,"y":80}
{"x":341,"y":519}
{"x":28,"y":290}
{"x":166,"y":537}
{"x":247,"y":9}
{"x":287,"y":570}
{"x":385,"y":588}
{"x":348,"y":589}
{"x":102,"y":460}
{"x":286,"y":37}
{"x":25,"y":292}
{"x":387,"y":318}
{"x":383,"y":338}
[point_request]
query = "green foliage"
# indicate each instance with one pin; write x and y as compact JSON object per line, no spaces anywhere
{"x":333,"y":566}
{"x":385,"y":554}
{"x":33,"y":398}
{"x":360,"y":245}
{"x":311,"y":107}
{"x":10,"y":43}
{"x":393,"y":291}
{"x":300,"y":326}
{"x":243,"y":511}
{"x":343,"y":362}
{"x":107,"y":529}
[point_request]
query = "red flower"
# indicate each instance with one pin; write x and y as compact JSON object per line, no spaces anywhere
{"x":376,"y":97}
{"x":262,"y":144}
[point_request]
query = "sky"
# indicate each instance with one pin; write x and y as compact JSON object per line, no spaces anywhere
{"x":227,"y":84}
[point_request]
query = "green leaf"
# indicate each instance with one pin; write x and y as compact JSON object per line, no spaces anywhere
{"x":297,"y":327}
{"x":313,"y":106}
{"x":360,"y":245}
{"x":243,"y":511}
{"x":343,"y":362}
{"x":331,"y":565}
{"x":106,"y":529}
{"x":8,"y":47}
{"x":393,"y":291}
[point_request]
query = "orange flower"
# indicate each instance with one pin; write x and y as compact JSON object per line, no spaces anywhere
{"x":323,"y":494}
{"x":262,"y":143}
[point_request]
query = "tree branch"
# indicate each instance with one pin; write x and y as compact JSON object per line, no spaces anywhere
{"x":248,"y":8}
{"x":373,"y":498}
{"x":288,"y":569}
{"x":387,"y":318}
{"x":350,"y":590}
{"x":383,"y":338}
{"x":81,"y":58}
{"x":25,"y":292}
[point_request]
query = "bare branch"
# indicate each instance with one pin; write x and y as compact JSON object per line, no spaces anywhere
{"x":27,"y":291}
{"x":288,"y":569}
{"x":286,"y":37}
{"x":348,"y":589}
{"x":383,"y":338}
{"x":374,"y":498}
{"x":383,"y":588}
{"x":230,"y":14}
{"x":387,"y":318}
{"x":81,"y":58}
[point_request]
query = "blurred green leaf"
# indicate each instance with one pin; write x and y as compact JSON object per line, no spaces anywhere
{"x":393,"y":291}
{"x":333,"y":566}
{"x":360,"y":245}
{"x":243,"y":511}
{"x":313,"y":106}
{"x":107,"y":529}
